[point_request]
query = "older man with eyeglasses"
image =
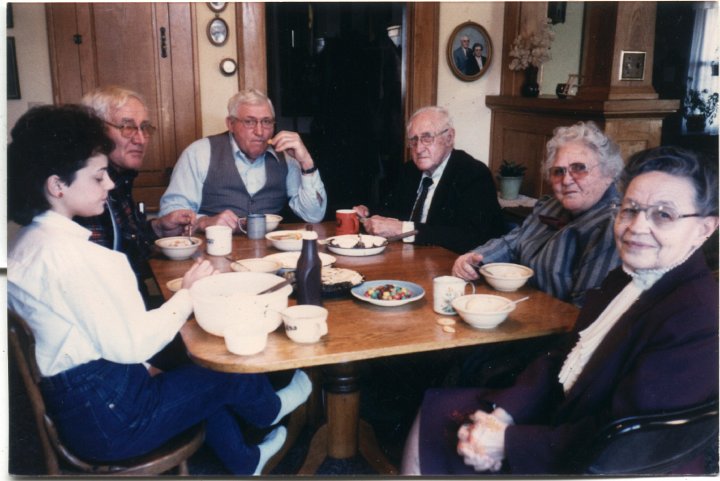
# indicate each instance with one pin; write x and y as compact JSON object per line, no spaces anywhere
{"x":445,"y":194}
{"x":123,"y":226}
{"x":248,"y":169}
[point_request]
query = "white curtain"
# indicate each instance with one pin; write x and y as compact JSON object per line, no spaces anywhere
{"x":704,"y":51}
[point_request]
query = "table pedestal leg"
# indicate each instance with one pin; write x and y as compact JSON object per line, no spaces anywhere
{"x":344,"y":434}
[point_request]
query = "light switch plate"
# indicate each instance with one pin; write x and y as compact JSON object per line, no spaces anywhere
{"x":632,"y":66}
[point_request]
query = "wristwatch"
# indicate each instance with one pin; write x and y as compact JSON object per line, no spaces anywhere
{"x":309,"y":171}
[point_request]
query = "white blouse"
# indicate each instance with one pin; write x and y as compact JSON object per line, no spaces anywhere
{"x":81,"y":300}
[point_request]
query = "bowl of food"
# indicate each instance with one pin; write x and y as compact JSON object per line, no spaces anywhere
{"x":179,"y":248}
{"x":286,"y":240}
{"x":257,"y":264}
{"x":356,"y":244}
{"x":272,"y":221}
{"x":483,"y":311}
{"x":232,"y":297}
{"x":506,"y":277}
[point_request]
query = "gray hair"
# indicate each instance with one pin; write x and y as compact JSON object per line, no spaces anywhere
{"x":248,"y":97}
{"x":700,"y":171}
{"x":104,"y":101}
{"x":590,"y":135}
{"x":445,"y":119}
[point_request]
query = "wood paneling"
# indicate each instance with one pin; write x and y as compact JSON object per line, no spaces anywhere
{"x":97,"y":44}
{"x":252,"y":48}
{"x":421,"y":43}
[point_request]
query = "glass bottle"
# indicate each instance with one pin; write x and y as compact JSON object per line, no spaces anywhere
{"x":308,"y":273}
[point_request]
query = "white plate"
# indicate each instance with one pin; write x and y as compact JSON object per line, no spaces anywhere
{"x":359,"y":292}
{"x":289,"y":260}
{"x":334,"y":244}
{"x":256,"y":265}
{"x":175,"y":284}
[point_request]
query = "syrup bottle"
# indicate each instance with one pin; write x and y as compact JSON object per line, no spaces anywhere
{"x":308,"y":273}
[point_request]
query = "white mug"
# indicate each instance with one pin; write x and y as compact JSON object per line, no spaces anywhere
{"x":246,"y":337}
{"x":305,"y":323}
{"x":219,"y":240}
{"x":445,"y":289}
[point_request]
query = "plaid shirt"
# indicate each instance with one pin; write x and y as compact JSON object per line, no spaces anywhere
{"x":122,"y":226}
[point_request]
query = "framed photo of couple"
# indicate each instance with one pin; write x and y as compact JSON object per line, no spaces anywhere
{"x":469,"y":51}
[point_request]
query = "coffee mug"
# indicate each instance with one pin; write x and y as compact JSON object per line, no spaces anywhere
{"x":246,"y":337}
{"x":305,"y":323}
{"x":347,"y":222}
{"x":445,"y":289}
{"x":256,"y":226}
{"x":219,"y":240}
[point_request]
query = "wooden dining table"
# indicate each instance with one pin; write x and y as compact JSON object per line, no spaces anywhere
{"x":359,"y":331}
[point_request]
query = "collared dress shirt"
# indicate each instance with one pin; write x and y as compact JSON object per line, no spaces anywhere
{"x":567,"y":260}
{"x":306,"y":193}
{"x":407,"y":226}
{"x":81,"y":299}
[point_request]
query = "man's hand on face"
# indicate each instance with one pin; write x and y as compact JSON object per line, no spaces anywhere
{"x":226,"y":217}
{"x":383,"y":226}
{"x":291,"y":143}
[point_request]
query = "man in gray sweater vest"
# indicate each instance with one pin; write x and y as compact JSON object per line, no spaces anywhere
{"x":246,"y":170}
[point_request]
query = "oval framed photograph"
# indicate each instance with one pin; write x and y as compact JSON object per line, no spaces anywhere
{"x":469,"y":51}
{"x":217,"y":7}
{"x":217,"y":31}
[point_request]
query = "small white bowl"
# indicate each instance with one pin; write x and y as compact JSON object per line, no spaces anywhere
{"x":272,"y":221}
{"x":257,"y":264}
{"x":246,"y":337}
{"x":505,"y":276}
{"x":179,"y":248}
{"x":286,"y":240}
{"x":483,"y":311}
{"x":305,"y":324}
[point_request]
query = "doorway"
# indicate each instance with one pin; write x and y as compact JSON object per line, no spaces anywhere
{"x":335,"y":76}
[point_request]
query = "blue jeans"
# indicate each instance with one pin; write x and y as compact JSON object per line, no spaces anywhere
{"x":107,"y":411}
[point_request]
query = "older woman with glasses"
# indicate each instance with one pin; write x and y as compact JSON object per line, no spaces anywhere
{"x":567,"y":240}
{"x":645,"y":342}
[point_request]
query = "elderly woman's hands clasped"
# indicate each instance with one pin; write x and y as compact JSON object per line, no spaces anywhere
{"x":481,"y":443}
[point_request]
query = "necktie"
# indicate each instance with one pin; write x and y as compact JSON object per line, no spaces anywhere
{"x":420,"y":202}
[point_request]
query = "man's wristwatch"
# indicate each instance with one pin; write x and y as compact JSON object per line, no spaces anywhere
{"x":308,"y":171}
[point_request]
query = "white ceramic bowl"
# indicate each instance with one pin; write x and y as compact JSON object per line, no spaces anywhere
{"x":286,"y":240}
{"x":246,"y":337}
{"x":257,"y":264}
{"x":223,"y":299}
{"x":506,"y":277}
{"x":483,"y":311}
{"x":272,"y":221}
{"x":179,"y":248}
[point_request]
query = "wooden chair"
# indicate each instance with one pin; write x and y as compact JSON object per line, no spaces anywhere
{"x":174,"y":453}
{"x":656,"y":444}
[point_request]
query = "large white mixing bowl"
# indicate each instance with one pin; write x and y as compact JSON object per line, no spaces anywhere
{"x":231,"y":297}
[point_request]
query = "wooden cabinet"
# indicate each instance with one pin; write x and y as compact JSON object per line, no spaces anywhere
{"x":147,"y":47}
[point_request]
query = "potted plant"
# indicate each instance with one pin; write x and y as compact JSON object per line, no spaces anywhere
{"x":699,"y":109}
{"x":510,"y":176}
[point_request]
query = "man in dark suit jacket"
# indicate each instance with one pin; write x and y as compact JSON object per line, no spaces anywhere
{"x":463,"y":53}
{"x":460,"y":208}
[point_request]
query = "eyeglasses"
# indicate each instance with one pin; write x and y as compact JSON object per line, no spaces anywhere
{"x":577,"y":170}
{"x":661,"y":216}
{"x":251,"y":122}
{"x":426,"y":138}
{"x":129,"y":129}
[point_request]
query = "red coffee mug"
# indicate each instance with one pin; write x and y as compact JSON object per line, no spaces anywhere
{"x":347,"y":222}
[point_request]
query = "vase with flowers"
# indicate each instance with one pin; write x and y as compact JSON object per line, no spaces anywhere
{"x":528,"y":53}
{"x":699,"y":109}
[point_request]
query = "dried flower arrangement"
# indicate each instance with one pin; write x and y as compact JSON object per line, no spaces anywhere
{"x":533,"y":50}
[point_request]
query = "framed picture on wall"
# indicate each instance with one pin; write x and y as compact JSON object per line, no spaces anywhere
{"x":13,"y":81}
{"x":469,"y":51}
{"x":217,"y":31}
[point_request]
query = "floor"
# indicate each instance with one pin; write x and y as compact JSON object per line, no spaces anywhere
{"x":390,"y":397}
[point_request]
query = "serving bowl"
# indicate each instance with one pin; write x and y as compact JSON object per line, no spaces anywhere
{"x":286,"y":240}
{"x":272,"y":221}
{"x":505,"y":276}
{"x":231,"y":297}
{"x":483,"y":311}
{"x":179,"y":248}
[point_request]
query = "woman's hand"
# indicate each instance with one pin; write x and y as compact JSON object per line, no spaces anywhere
{"x":466,"y":266}
{"x":482,"y":443}
{"x":198,"y":270}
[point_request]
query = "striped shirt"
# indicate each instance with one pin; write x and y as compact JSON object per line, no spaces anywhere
{"x":568,"y":260}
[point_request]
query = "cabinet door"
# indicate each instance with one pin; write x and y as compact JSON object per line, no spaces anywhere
{"x":147,"y":47}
